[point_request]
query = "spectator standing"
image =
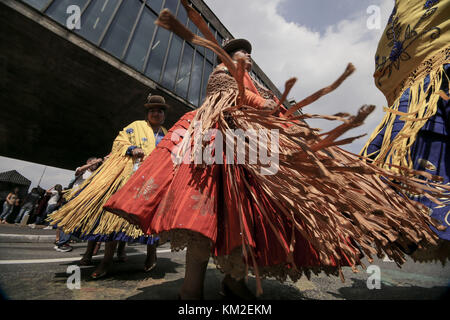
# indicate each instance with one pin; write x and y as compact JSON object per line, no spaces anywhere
{"x":8,"y":205}
{"x":52,"y":205}
{"x":15,"y":211}
{"x":42,"y":205}
{"x":84,"y":172}
{"x":29,"y":205}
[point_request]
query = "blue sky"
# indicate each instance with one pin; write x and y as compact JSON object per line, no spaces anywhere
{"x":318,"y":15}
{"x":311,"y":40}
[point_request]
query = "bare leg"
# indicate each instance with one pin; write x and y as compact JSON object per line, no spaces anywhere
{"x":150,"y":261}
{"x":121,"y":254}
{"x":197,"y":257}
{"x":103,"y":267}
{"x":96,"y":248}
{"x":87,"y":257}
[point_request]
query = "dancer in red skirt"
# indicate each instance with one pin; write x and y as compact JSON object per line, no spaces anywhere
{"x":301,"y":212}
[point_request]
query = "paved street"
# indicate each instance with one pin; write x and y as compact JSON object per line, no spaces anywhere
{"x":35,"y":271}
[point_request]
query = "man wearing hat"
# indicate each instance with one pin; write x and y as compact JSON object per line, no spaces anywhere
{"x":83,"y":215}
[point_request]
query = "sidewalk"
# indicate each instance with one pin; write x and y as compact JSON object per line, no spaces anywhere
{"x":12,"y":233}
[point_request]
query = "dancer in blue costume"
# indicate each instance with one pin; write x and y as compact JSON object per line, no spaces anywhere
{"x":412,"y":70}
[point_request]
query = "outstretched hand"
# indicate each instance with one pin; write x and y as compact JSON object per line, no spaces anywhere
{"x":138,"y":153}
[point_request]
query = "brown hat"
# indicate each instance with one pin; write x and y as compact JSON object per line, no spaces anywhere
{"x":236,"y":44}
{"x":154,"y":101}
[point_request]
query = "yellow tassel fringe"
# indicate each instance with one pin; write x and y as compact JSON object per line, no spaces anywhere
{"x":398,"y":151}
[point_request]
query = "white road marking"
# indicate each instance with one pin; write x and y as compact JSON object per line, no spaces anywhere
{"x":70,"y":259}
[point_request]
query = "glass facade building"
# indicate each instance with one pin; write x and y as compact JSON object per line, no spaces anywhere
{"x":126,"y":30}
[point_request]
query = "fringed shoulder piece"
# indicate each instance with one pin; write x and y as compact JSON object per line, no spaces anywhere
{"x":220,"y":80}
{"x":263,"y":92}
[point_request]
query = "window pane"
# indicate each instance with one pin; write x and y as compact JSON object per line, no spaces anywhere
{"x":196,"y":31}
{"x":200,"y":48}
{"x":185,"y":71}
{"x":206,"y":73}
{"x":96,"y":18}
{"x":220,"y":41}
{"x":140,"y":43}
{"x":157,"y":54}
{"x":196,"y":79}
{"x":170,"y":72}
{"x":172,"y":6}
{"x":182,"y":15}
{"x":38,"y":4}
{"x":210,"y":53}
{"x":192,"y":27}
{"x":155,"y":5}
{"x":120,"y":29}
{"x":159,"y":46}
{"x":58,"y":9}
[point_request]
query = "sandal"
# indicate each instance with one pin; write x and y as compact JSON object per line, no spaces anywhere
{"x":236,"y":291}
{"x":85,"y":262}
{"x":104,"y":269}
{"x":97,"y":275}
{"x":148,"y":268}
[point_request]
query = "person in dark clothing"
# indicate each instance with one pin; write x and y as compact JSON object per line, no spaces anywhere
{"x":30,"y":204}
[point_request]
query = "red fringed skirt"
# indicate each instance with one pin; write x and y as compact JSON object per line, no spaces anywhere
{"x":200,"y":200}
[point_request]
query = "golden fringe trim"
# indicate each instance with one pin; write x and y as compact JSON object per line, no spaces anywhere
{"x":85,"y":208}
{"x":428,"y":66}
{"x":398,"y":151}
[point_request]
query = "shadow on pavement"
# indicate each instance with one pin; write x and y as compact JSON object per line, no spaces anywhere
{"x":168,"y":290}
{"x":132,"y":269}
{"x":359,"y":291}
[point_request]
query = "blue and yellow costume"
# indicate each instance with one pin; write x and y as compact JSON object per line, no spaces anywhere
{"x":412,"y":71}
{"x":83,"y":215}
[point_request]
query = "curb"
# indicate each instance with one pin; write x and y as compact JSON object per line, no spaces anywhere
{"x":22,"y":238}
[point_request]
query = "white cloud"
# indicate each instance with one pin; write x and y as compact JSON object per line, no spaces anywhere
{"x":286,"y":49}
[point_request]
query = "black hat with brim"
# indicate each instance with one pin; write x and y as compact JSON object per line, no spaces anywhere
{"x":154,"y":101}
{"x":235,"y":45}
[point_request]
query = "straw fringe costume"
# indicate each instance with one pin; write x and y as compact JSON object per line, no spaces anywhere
{"x":303,"y":217}
{"x":83,"y":215}
{"x":412,"y":71}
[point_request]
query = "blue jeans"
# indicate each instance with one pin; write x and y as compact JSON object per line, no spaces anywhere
{"x":7,"y":209}
{"x":50,"y":209}
{"x":64,"y":238}
{"x":24,"y":211}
